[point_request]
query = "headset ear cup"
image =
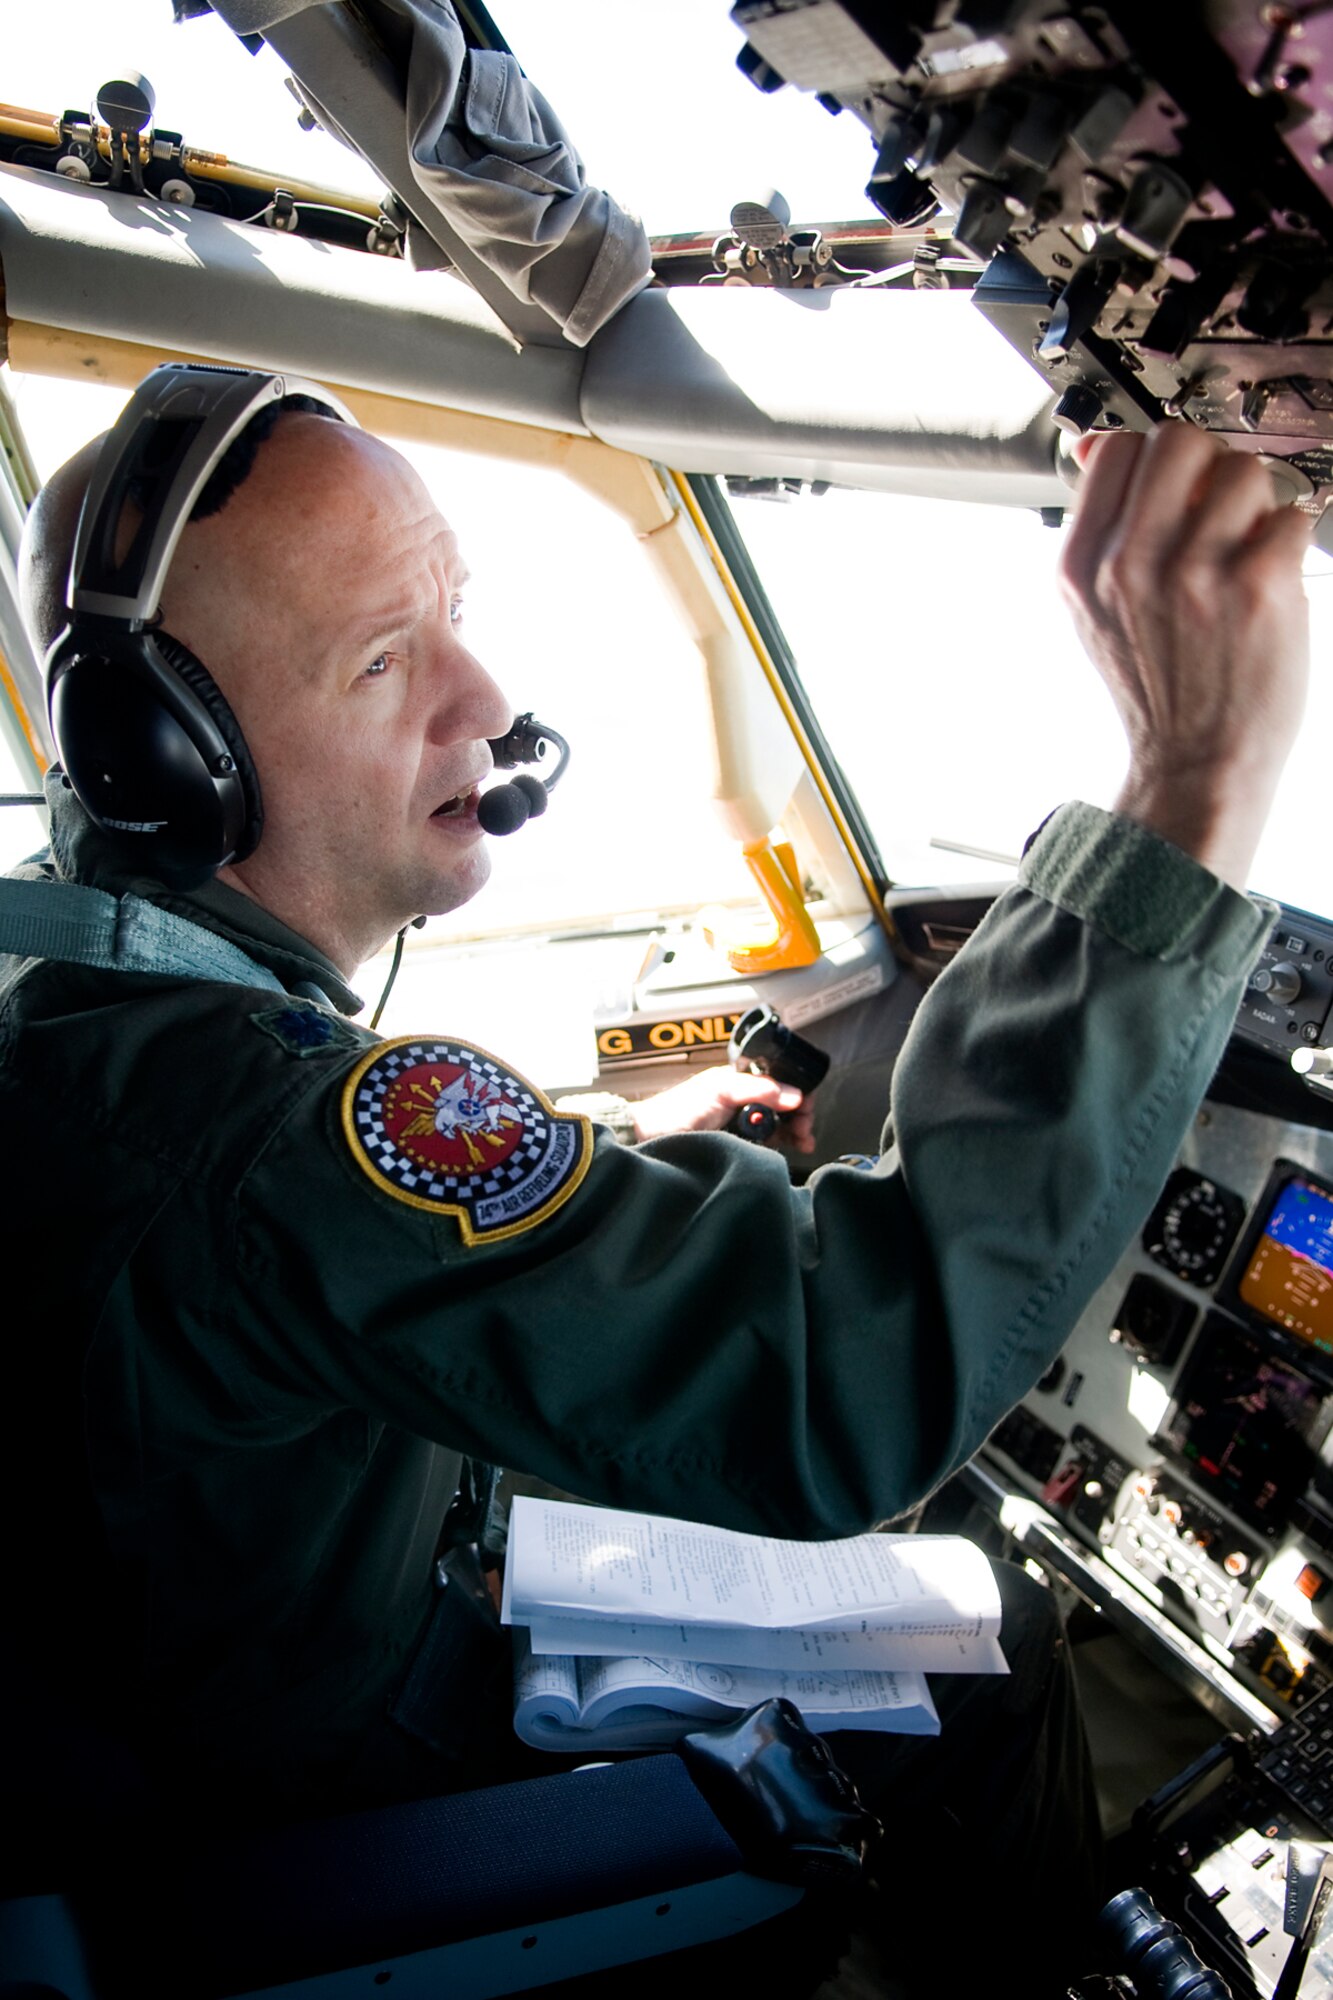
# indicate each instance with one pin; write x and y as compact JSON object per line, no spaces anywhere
{"x":153,"y":752}
{"x":193,"y":674}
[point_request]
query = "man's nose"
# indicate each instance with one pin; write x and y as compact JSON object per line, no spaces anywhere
{"x":499,"y":710}
{"x":471,"y":704}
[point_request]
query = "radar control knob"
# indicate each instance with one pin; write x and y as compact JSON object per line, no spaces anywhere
{"x":1280,"y":982}
{"x":1078,"y":409}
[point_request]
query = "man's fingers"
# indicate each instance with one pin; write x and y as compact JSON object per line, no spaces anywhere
{"x":1235,"y":496}
{"x":1178,"y":493}
{"x":1282,"y":539}
{"x":741,"y":1087}
{"x":1171,"y":472}
{"x":706,"y":1101}
{"x":797,"y":1132}
{"x":1101,"y":497}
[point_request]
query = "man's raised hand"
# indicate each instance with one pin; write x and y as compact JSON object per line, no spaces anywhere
{"x":1183,"y":575}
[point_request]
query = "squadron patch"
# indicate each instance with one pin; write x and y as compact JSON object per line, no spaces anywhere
{"x":446,"y":1127}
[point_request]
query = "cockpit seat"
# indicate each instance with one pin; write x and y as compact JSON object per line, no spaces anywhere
{"x":481,"y":1893}
{"x":486,"y":1892}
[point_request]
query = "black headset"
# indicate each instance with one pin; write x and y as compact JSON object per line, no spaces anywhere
{"x":144,"y":734}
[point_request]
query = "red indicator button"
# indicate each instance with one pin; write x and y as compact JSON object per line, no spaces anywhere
{"x":1311,"y":1583}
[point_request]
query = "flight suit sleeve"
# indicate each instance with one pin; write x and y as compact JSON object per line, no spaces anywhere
{"x":684,"y":1331}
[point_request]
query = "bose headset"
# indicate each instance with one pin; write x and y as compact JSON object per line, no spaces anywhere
{"x":145,"y":736}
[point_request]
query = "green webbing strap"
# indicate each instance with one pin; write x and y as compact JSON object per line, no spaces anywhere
{"x":82,"y":926}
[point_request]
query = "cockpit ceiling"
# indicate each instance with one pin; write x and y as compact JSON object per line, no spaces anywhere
{"x":900,"y":392}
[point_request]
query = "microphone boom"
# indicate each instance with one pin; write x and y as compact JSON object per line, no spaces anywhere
{"x":505,"y":808}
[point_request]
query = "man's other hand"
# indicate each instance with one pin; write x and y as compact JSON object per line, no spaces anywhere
{"x":1183,"y":575}
{"x":707,"y":1101}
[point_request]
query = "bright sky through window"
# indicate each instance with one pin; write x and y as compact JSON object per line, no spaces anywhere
{"x":634,"y":85}
{"x":948,"y":678}
{"x":208,"y":87}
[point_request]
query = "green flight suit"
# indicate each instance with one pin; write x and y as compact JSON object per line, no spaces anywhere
{"x":277,"y":1354}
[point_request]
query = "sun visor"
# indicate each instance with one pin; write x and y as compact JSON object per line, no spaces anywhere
{"x":119,"y":266}
{"x":475,"y":153}
{"x":910,"y":392}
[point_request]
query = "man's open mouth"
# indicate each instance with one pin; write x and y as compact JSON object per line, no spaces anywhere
{"x":454,"y":807}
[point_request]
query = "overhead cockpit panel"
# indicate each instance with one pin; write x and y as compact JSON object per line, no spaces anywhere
{"x":1154,"y":185}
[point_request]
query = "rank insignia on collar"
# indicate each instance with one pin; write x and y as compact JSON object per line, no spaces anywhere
{"x":445,"y":1127}
{"x":304,"y":1030}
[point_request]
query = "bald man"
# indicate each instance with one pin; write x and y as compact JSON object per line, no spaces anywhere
{"x":261,"y":1369}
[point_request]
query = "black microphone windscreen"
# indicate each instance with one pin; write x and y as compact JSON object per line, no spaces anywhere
{"x":504,"y":809}
{"x":534,"y":791}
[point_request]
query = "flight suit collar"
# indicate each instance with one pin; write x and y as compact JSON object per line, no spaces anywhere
{"x":82,"y":852}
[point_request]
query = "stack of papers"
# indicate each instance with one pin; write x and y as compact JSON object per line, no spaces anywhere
{"x":638,"y":1628}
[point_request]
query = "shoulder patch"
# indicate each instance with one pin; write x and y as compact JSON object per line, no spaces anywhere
{"x":305,"y":1031}
{"x":446,"y":1127}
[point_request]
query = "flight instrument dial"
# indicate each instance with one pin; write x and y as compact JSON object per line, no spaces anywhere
{"x":1192,"y":1228}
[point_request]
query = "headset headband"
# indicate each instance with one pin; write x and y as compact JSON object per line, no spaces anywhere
{"x":173,"y":431}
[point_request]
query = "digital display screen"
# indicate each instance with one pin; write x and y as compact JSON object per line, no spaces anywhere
{"x":1242,"y":1424}
{"x":1288,"y":1279}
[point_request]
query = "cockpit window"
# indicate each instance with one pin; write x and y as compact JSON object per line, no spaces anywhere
{"x":22,"y":828}
{"x":566,"y":613}
{"x":948,"y":679}
{"x":599,"y":76}
{"x":208,"y":86}
{"x":732,"y":143}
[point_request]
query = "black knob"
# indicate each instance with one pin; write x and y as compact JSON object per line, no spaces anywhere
{"x":1078,"y":409}
{"x":1281,"y":982}
{"x":754,"y":1121}
{"x":127,"y":102}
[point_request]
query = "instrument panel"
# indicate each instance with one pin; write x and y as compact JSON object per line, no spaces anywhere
{"x":1183,"y":1441}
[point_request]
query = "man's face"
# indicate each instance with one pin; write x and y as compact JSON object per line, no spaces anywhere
{"x":326,"y":601}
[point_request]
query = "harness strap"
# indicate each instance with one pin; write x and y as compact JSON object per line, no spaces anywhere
{"x":82,"y":926}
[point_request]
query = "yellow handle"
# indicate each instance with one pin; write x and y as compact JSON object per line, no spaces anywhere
{"x":795,"y":940}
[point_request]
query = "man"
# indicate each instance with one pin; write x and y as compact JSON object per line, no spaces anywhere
{"x":284,"y":1329}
